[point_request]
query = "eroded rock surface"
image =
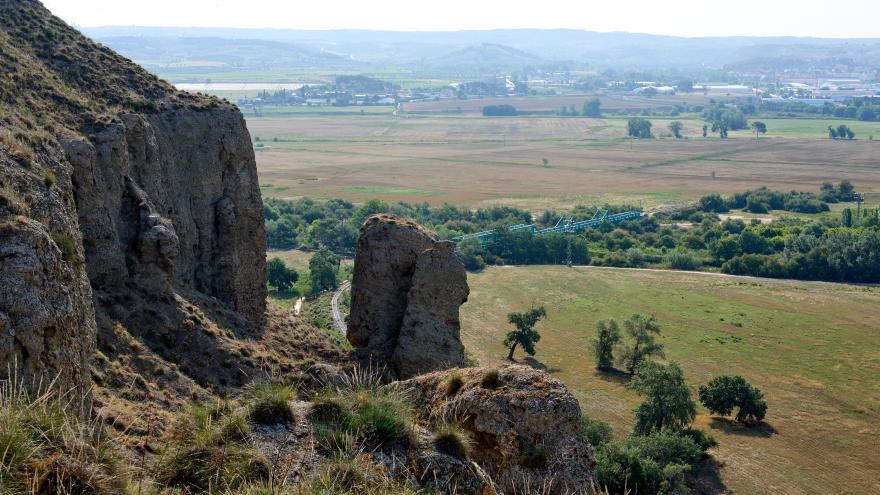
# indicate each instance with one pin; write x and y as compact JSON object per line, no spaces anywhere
{"x":124,"y":204}
{"x":430,"y":336}
{"x":406,"y":293}
{"x":524,"y":424}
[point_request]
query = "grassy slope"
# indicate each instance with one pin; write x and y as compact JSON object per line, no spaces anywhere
{"x":812,"y":348}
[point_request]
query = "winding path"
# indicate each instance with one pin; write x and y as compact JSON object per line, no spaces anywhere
{"x":334,"y":303}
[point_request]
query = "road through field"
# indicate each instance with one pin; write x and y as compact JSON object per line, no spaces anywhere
{"x":334,"y":303}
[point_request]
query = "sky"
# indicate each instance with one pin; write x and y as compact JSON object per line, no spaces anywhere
{"x":852,"y":19}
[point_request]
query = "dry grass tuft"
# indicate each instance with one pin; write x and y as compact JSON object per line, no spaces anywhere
{"x":269,"y":402}
{"x":451,"y":439}
{"x":45,"y":448}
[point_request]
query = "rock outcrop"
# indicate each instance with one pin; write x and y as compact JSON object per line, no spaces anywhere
{"x":124,"y":204}
{"x":524,"y":424}
{"x":406,"y":293}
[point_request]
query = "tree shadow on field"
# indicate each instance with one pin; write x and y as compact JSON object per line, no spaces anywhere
{"x":731,"y":427}
{"x":538,"y":365}
{"x":613,"y":375}
{"x":707,"y":480}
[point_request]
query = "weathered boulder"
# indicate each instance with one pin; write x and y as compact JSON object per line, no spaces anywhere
{"x":524,"y":424}
{"x":406,"y":292}
{"x":430,"y":336}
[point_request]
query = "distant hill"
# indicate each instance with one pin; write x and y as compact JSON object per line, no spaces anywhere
{"x":504,"y":46}
{"x":486,"y":55}
{"x":169,"y":54}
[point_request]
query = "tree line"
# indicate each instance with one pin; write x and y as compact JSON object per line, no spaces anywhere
{"x":841,"y":247}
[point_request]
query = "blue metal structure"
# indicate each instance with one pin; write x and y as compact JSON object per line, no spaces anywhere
{"x":563,"y":226}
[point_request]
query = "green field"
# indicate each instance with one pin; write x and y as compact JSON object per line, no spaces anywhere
{"x":811,"y":347}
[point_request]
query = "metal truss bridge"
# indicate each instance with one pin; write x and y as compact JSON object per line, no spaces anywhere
{"x":563,"y":226}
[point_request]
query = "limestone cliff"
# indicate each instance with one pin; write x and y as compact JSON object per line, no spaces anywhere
{"x":124,"y":204}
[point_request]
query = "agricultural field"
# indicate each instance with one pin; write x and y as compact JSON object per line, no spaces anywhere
{"x":553,"y":103}
{"x":811,"y":347}
{"x":473,"y":161}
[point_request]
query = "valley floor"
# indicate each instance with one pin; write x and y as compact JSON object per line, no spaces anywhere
{"x":810,"y":346}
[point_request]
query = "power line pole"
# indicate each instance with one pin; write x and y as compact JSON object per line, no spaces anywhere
{"x":568,"y":249}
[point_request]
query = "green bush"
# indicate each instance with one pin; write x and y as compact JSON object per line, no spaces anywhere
{"x":594,"y":431}
{"x":647,"y":464}
{"x":66,"y":246}
{"x":681,"y":260}
{"x":279,"y":275}
{"x":724,"y":393}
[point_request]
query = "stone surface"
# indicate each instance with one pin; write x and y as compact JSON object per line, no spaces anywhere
{"x":525,"y":426}
{"x":430,"y":336}
{"x":406,"y":292}
{"x":125,"y":205}
{"x":47,"y":325}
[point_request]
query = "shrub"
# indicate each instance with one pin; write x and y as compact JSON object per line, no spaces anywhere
{"x":704,"y":440}
{"x":594,"y":431}
{"x":607,"y":337}
{"x":66,"y":246}
{"x":353,"y":475}
{"x":328,"y":410}
{"x":269,"y":402}
{"x":681,"y":260}
{"x":499,"y":111}
{"x":279,"y":275}
{"x":647,"y":464}
{"x":451,"y":439}
{"x":668,"y":401}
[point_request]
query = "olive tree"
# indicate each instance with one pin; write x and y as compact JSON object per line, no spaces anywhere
{"x":607,"y":337}
{"x":724,"y":393}
{"x":668,"y":402}
{"x":641,"y":332}
{"x":525,"y":333}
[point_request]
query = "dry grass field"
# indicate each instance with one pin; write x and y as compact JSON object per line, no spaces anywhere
{"x":474,"y":161}
{"x":812,"y":348}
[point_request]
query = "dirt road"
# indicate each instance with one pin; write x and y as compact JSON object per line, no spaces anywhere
{"x":337,"y":315}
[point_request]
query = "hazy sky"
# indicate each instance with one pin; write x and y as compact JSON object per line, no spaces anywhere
{"x":855,"y":18}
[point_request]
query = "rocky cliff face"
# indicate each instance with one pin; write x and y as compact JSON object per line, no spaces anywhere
{"x":406,"y":292}
{"x":124,"y":204}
